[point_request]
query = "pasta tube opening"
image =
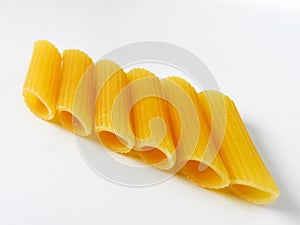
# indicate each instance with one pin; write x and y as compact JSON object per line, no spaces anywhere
{"x":113,"y":141}
{"x":153,"y":156}
{"x":36,"y":104}
{"x":210,"y":177}
{"x":253,"y":192}
{"x":71,"y":122}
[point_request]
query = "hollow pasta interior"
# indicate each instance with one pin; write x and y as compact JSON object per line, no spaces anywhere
{"x":210,"y":177}
{"x":153,"y":156}
{"x":71,"y":122}
{"x":253,"y":192}
{"x":113,"y":141}
{"x":36,"y":104}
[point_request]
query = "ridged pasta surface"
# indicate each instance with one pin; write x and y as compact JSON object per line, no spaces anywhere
{"x":150,"y":120}
{"x":189,"y":126}
{"x":41,"y":87}
{"x":249,"y":178}
{"x":112,"y":121}
{"x":75,"y":101}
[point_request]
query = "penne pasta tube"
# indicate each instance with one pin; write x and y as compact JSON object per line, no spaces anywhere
{"x":41,"y":87}
{"x":193,"y":137}
{"x":150,"y":122}
{"x":249,"y":177}
{"x":112,"y":122}
{"x":75,"y":101}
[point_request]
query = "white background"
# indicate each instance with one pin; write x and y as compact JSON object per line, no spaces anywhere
{"x":253,"y":49}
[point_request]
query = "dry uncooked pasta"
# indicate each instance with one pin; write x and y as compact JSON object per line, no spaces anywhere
{"x":214,"y":175}
{"x":166,"y":122}
{"x":249,"y":177}
{"x":153,"y":138}
{"x":41,"y":87}
{"x":75,"y":101}
{"x":112,"y":122}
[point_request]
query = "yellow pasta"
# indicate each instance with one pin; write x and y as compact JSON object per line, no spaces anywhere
{"x":112,"y":122}
{"x":41,"y":87}
{"x":153,"y":138}
{"x":249,"y":177}
{"x":214,"y":175}
{"x":166,"y":122}
{"x":76,"y":94}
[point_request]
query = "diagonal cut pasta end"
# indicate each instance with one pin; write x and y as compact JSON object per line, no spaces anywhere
{"x":212,"y":177}
{"x":255,"y":193}
{"x":249,"y":177}
{"x":113,"y":141}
